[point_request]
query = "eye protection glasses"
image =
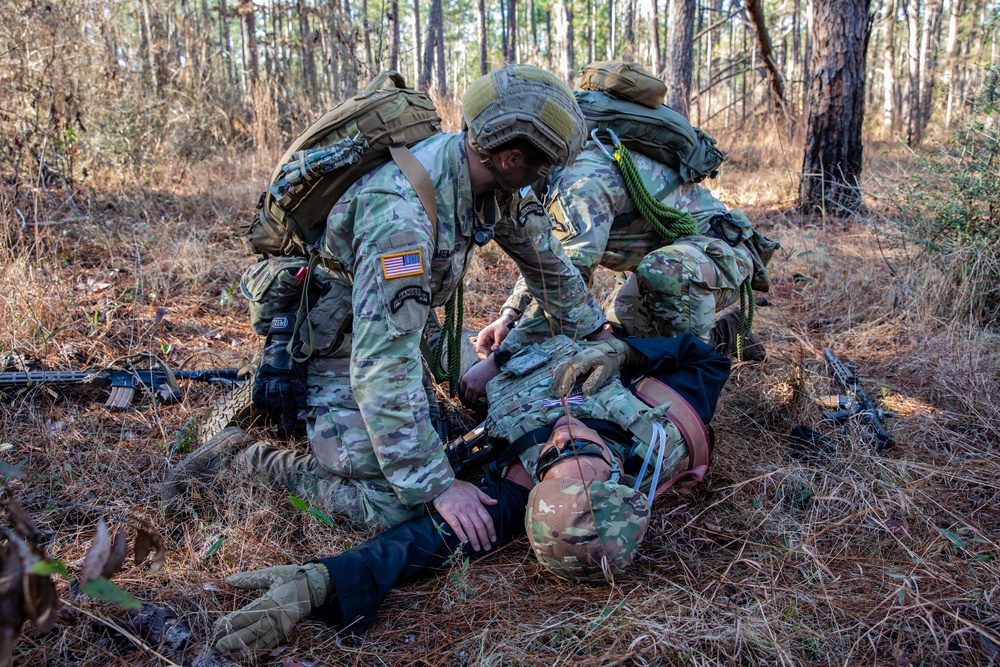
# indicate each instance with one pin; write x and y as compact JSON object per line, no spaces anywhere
{"x":575,"y":447}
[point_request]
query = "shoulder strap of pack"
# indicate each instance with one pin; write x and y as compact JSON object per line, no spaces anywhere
{"x":420,"y":180}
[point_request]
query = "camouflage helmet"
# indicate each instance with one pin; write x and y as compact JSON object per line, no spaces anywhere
{"x":524,"y":102}
{"x":585,"y":533}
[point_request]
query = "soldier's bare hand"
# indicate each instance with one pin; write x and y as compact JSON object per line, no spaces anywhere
{"x":489,"y":338}
{"x":473,"y":383}
{"x":461,"y":505}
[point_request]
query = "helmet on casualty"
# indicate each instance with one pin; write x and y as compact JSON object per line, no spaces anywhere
{"x":585,"y":531}
{"x":524,"y":102}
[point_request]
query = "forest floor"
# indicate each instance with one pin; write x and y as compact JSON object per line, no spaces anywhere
{"x":780,"y":557}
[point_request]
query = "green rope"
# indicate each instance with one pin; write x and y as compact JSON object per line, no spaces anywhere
{"x":746,"y":316}
{"x":669,"y":222}
{"x":451,"y":337}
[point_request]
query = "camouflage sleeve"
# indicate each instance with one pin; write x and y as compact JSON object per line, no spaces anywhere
{"x":582,"y":204}
{"x":392,"y":297}
{"x":551,"y":279}
{"x":699,"y":202}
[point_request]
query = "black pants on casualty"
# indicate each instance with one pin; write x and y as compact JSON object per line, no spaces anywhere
{"x":364,"y":575}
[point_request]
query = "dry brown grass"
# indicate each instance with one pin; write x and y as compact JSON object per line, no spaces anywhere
{"x":835,"y":560}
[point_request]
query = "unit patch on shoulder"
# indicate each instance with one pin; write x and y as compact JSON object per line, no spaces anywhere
{"x":402,"y":264}
{"x":417,"y":293}
{"x":529,"y":209}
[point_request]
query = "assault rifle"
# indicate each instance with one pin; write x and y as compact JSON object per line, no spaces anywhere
{"x":470,"y":451}
{"x":856,"y":405}
{"x":159,"y":382}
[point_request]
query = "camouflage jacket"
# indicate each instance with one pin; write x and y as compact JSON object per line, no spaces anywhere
{"x":585,"y":199}
{"x":381,"y":235}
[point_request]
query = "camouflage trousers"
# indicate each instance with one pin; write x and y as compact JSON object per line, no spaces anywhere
{"x":679,"y":288}
{"x":366,"y":502}
{"x":342,"y":474}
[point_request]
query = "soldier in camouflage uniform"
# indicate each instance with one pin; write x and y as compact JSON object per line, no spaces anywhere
{"x":376,"y":457}
{"x":672,"y":289}
{"x":558,"y":454}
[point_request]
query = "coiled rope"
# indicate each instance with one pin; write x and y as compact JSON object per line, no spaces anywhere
{"x":670,"y":223}
{"x":451,"y":337}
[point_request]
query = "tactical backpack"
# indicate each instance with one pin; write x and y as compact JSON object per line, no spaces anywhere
{"x":629,"y":100}
{"x":355,"y":137}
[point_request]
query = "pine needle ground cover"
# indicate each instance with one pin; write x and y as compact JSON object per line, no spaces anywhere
{"x":828,"y":556}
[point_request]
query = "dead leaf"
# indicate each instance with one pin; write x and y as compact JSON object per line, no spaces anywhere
{"x":23,"y":525}
{"x":146,"y":540}
{"x":97,"y":555}
{"x":117,"y":556}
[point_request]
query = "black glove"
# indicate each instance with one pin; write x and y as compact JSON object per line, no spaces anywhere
{"x":279,"y":388}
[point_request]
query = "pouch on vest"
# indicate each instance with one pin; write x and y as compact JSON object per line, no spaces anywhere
{"x":272,"y":286}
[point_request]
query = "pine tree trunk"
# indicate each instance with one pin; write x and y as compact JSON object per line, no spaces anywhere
{"x":427,"y":69}
{"x":442,"y":74}
{"x":954,"y":48}
{"x":657,"y":47}
{"x":248,"y":29}
{"x":394,"y":36}
{"x":929,"y":43}
{"x":484,"y":65}
{"x":418,"y":72}
{"x":680,"y":55}
{"x":511,"y":49}
{"x":831,"y":163}
{"x":888,"y":65}
{"x":569,"y":55}
{"x":610,"y":43}
{"x":913,"y":73}
{"x":629,"y":46}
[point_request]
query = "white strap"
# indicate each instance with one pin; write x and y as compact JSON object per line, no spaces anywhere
{"x":658,"y":444}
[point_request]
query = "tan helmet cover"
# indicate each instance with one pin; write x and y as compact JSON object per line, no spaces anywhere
{"x":524,"y":102}
{"x":585,"y":533}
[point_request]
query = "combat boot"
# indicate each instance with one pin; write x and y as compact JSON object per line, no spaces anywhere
{"x":204,"y":462}
{"x":723,"y":338}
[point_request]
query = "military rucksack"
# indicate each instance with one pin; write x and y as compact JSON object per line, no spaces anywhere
{"x":355,"y":137}
{"x":623,"y":97}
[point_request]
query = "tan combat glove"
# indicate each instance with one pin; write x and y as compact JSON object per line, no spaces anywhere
{"x":597,"y":363}
{"x":293,"y":592}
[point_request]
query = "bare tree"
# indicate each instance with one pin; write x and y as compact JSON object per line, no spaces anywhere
{"x":418,"y":72}
{"x":930,"y":40}
{"x":394,"y":36}
{"x":888,"y":65}
{"x":510,"y":49}
{"x":629,"y":50}
{"x":484,"y":64}
{"x":249,"y":33}
{"x":680,"y":54}
{"x":913,"y":72}
{"x":953,"y":47}
{"x":831,"y":163}
{"x":755,"y":9}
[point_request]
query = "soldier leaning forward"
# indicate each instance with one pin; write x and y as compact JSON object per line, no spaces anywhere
{"x":376,"y":457}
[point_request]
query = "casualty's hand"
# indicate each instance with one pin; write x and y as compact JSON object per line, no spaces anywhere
{"x":461,"y":505}
{"x":489,"y":339}
{"x":596,"y":364}
{"x":293,"y":592}
{"x":473,"y":383}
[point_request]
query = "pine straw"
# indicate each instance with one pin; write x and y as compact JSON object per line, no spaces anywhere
{"x":835,"y":559}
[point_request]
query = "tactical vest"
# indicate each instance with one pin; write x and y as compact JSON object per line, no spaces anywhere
{"x":520,"y":403}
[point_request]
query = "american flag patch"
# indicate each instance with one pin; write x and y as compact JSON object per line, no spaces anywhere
{"x":402,"y":264}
